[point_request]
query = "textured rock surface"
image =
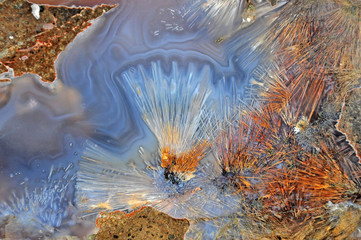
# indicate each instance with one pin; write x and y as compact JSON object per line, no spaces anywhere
{"x":146,"y":223}
{"x":31,"y":45}
{"x":349,"y":122}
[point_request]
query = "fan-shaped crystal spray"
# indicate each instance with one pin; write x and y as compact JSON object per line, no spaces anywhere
{"x":222,"y":18}
{"x":174,"y":108}
{"x":38,"y":211}
{"x":176,"y":179}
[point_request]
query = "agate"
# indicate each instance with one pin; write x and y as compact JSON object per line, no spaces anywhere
{"x":143,"y":105}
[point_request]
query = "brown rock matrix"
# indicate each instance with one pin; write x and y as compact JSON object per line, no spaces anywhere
{"x":31,"y":43}
{"x":145,"y":223}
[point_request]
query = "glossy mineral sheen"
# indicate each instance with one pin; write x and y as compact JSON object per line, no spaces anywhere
{"x":62,"y":144}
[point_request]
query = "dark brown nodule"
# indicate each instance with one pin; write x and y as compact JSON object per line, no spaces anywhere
{"x":273,"y":2}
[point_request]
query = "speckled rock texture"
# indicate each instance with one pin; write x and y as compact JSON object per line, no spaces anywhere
{"x":146,"y":223}
{"x":31,"y":45}
{"x":349,"y":122}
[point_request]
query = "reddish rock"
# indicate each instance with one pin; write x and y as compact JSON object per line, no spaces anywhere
{"x":30,"y":45}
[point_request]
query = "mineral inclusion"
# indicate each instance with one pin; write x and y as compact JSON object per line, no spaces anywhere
{"x":222,"y":112}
